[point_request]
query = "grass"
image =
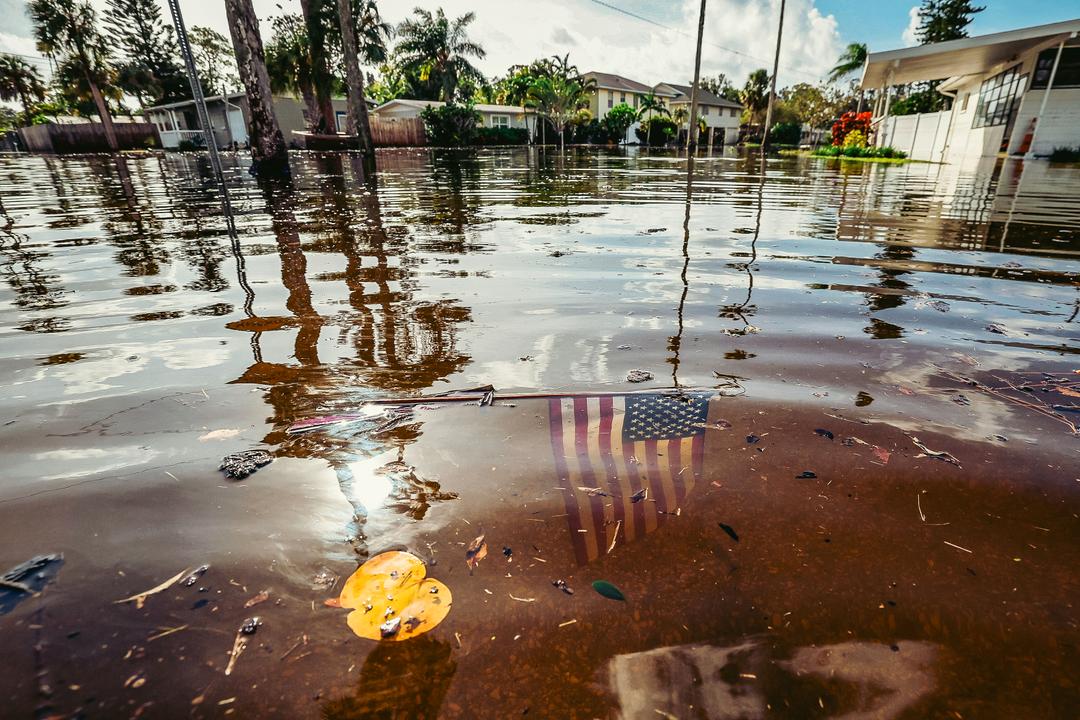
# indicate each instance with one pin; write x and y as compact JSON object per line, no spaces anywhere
{"x":846,"y":158}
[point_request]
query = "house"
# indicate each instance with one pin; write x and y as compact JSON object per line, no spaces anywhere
{"x":179,"y":121}
{"x":505,"y":116}
{"x":720,"y":115}
{"x":1016,"y":92}
{"x":610,"y":90}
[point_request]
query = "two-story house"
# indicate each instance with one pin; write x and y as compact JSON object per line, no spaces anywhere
{"x":720,"y":115}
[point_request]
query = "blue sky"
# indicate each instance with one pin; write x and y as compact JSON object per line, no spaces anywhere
{"x":739,"y":33}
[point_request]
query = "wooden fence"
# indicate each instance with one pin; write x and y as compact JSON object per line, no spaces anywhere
{"x":87,"y":137}
{"x":397,"y":132}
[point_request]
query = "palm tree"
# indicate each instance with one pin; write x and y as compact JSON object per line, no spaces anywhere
{"x":66,"y":31}
{"x":19,"y":80}
{"x":437,"y":50}
{"x":367,"y":28}
{"x":852,"y":59}
{"x":562,"y":95}
{"x":267,"y":143}
{"x":651,"y":104}
{"x":755,"y":94}
{"x":288,"y":63}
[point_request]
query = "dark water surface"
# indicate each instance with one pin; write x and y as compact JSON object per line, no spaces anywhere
{"x":836,"y":521}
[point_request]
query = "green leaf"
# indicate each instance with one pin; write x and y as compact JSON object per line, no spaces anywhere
{"x":608,"y":590}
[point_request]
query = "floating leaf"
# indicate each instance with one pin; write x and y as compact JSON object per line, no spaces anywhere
{"x":608,"y":590}
{"x":476,"y":552}
{"x":824,"y":433}
{"x":393,"y":599}
{"x":751,"y":439}
{"x":730,"y":531}
{"x":639,"y":495}
{"x":806,"y":475}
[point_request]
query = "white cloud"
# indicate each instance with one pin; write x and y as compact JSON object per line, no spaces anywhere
{"x":910,"y":36}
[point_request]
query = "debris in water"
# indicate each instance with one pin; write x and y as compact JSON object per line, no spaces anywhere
{"x":623,"y":347}
{"x":140,"y":598}
{"x":195,"y":575}
{"x":393,"y":586}
{"x":240,"y":465}
{"x":512,"y":597}
{"x":640,"y":495}
{"x":561,"y":584}
{"x":751,"y":439}
{"x":222,"y":434}
{"x":507,"y":552}
{"x":261,"y":597}
{"x":639,"y":376}
{"x":936,"y":454}
{"x":27,"y":578}
{"x":608,"y":590}
{"x":806,"y":475}
{"x":863,"y":399}
{"x":476,"y":552}
{"x":730,"y":531}
{"x":825,"y":433}
{"x":614,"y":536}
{"x":961,"y":399}
{"x":882,"y":454}
{"x":956,"y":546}
{"x":558,"y":253}
{"x":592,"y":491}
{"x":997,"y":329}
{"x":251,"y":625}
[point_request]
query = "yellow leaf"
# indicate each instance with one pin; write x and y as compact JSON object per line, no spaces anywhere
{"x":393,"y":599}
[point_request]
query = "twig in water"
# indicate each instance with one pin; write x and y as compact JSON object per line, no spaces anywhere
{"x":140,"y":598}
{"x":957,"y":547}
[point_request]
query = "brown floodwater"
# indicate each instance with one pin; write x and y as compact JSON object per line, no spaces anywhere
{"x":849,"y":490}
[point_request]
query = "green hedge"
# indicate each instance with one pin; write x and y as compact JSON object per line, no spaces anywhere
{"x":855,"y":151}
{"x":501,"y":136}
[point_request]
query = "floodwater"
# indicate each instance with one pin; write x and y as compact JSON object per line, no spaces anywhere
{"x":851,"y":488}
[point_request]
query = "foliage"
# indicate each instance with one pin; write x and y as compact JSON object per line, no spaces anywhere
{"x":1065,"y":154}
{"x":680,"y":115}
{"x":848,"y":123}
{"x":720,"y":86}
{"x":755,"y":94}
{"x":20,"y":81}
{"x":451,"y":124}
{"x":434,"y":52}
{"x":855,"y":138}
{"x":618,"y":121}
{"x":288,"y":56}
{"x":943,"y":20}
{"x":657,"y":131}
{"x":501,"y":136}
{"x":859,"y":151}
{"x":785,"y":133}
{"x":851,"y":60}
{"x":650,"y":104}
{"x":561,"y":94}
{"x":811,"y":104}
{"x":149,"y":69}
{"x":921,"y":101}
{"x":9,"y":119}
{"x":214,"y":60}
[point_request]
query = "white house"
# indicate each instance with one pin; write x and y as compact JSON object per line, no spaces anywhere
{"x":508,"y":116}
{"x":1016,"y":92}
{"x":720,"y":115}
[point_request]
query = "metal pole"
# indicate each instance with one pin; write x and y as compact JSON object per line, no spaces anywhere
{"x":1046,"y":96}
{"x":691,"y":136}
{"x":772,"y":81}
{"x":196,"y":90}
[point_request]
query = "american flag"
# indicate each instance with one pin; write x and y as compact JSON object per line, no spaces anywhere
{"x":609,"y":448}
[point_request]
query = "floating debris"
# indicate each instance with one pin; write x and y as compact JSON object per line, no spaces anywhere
{"x":730,"y":531}
{"x":27,"y":578}
{"x":824,"y":433}
{"x":961,"y":399}
{"x":936,"y":454}
{"x":608,"y":590}
{"x":195,"y":575}
{"x":561,"y":585}
{"x":863,"y":399}
{"x":260,"y":597}
{"x":997,"y":329}
{"x":639,"y":495}
{"x":140,"y":598}
{"x":806,"y":475}
{"x":392,"y":598}
{"x":751,"y":439}
{"x":240,"y":465}
{"x":639,"y":376}
{"x":476,"y":552}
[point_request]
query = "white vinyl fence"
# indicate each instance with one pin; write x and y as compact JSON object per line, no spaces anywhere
{"x":922,"y":136}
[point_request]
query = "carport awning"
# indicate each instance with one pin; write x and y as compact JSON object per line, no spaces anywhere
{"x":967,"y":56}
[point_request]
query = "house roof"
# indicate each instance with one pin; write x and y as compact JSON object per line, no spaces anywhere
{"x":681,"y":94}
{"x":421,"y":104}
{"x":966,"y":56}
{"x":185,"y":103}
{"x":610,"y":81}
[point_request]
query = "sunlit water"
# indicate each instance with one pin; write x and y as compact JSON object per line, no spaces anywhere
{"x":144,"y":336}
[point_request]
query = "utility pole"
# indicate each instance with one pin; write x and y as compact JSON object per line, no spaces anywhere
{"x":772,"y":80}
{"x":691,"y":135}
{"x":196,"y":90}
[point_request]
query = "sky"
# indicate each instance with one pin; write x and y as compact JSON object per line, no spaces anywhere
{"x":658,"y":45}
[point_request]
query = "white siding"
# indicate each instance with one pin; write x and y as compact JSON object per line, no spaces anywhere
{"x":1060,"y":124}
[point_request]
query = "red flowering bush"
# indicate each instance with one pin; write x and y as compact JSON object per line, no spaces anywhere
{"x":848,"y":122}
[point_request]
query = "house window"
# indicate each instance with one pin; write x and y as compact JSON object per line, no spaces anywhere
{"x":500,"y":121}
{"x":611,"y":98}
{"x":963,"y":105}
{"x":341,"y":119}
{"x":1068,"y":72}
{"x":622,"y":98}
{"x":704,"y":110}
{"x":997,"y":98}
{"x":734,"y":112}
{"x":636,"y":97}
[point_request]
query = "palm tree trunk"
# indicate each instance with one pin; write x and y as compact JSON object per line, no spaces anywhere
{"x":320,"y":69}
{"x":357,"y":123}
{"x":267,"y":143}
{"x":103,"y":113}
{"x":307,"y":92}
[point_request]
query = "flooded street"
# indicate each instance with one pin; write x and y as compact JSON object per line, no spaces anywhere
{"x":850,"y":487}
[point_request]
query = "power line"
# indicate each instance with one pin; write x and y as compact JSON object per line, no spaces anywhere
{"x":650,"y":21}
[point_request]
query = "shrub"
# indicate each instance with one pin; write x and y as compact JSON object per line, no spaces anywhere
{"x":451,"y":124}
{"x":855,"y":138}
{"x":859,"y":151}
{"x":849,"y":122}
{"x":618,"y":120}
{"x":785,"y":133}
{"x":501,"y":136}
{"x":1065,"y":154}
{"x":657,"y":131}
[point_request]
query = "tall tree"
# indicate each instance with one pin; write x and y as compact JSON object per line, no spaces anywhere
{"x":562,"y":95}
{"x":316,"y":13}
{"x":357,"y":123}
{"x":66,"y":31}
{"x":149,"y":69}
{"x":851,"y":60}
{"x":755,"y":94}
{"x":720,"y":86}
{"x":214,"y":59}
{"x":267,"y":144}
{"x":288,"y":62}
{"x":19,"y":80}
{"x":437,"y":50}
{"x":651,"y":104}
{"x":943,"y":20}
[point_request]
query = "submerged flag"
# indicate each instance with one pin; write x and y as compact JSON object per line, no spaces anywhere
{"x":625,"y":462}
